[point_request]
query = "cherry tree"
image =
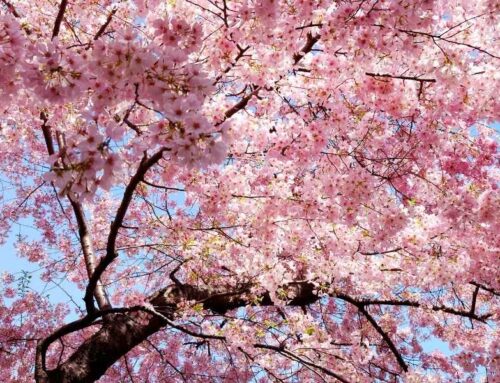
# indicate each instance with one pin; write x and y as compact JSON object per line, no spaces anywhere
{"x":251,"y":190}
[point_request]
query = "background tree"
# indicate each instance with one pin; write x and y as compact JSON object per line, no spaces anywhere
{"x":251,"y":191}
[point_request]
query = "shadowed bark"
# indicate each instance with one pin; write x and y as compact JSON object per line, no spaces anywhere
{"x":123,"y":330}
{"x":120,"y":334}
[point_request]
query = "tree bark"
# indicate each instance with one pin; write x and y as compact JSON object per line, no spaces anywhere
{"x":122,"y":332}
{"x":119,"y":334}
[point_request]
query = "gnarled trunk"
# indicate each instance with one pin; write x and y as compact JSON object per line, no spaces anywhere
{"x":118,"y":335}
{"x":120,"y":332}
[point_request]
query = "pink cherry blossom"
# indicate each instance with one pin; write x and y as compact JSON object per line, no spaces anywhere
{"x":249,"y":190}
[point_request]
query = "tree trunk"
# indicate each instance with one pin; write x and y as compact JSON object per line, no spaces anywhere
{"x":118,"y":335}
{"x":122,"y":332}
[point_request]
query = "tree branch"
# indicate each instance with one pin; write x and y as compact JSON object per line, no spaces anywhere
{"x":47,"y":133}
{"x":115,"y":338}
{"x":88,"y":253}
{"x":412,"y":78}
{"x":11,"y":8}
{"x":311,"y":40}
{"x":111,"y":253}
{"x":361,"y":307}
{"x":241,"y":53}
{"x":130,"y":326}
{"x":101,"y":30}
{"x":440,"y":37}
{"x":408,"y":303}
{"x":238,"y":106}
{"x":486,"y":288}
{"x":59,"y":18}
{"x":83,"y":231}
{"x":281,"y":350}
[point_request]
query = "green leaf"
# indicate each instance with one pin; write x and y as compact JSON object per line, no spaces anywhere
{"x":310,"y":330}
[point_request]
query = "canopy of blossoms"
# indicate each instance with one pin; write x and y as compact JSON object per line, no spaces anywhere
{"x":251,"y":190}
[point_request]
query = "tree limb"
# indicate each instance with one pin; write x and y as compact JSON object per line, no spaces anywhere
{"x":83,"y":230}
{"x":412,"y":78}
{"x":11,"y":8}
{"x":131,"y":326}
{"x":376,"y":326}
{"x":111,"y":253}
{"x":59,"y":18}
{"x":103,"y":27}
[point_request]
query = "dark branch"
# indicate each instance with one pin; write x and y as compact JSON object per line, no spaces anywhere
{"x":83,"y":231}
{"x":238,"y":106}
{"x":440,"y":37}
{"x":59,"y":18}
{"x":111,"y":253}
{"x":129,"y":327}
{"x":486,"y":288}
{"x":29,"y":195}
{"x":101,"y":30}
{"x":163,"y":187}
{"x":361,"y":307}
{"x":241,"y":53}
{"x":414,"y":78}
{"x":311,"y":40}
{"x":47,"y":133}
{"x":474,"y":301}
{"x":310,"y":25}
{"x":41,"y":373}
{"x":408,"y":303}
{"x":281,"y":350}
{"x":11,"y":8}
